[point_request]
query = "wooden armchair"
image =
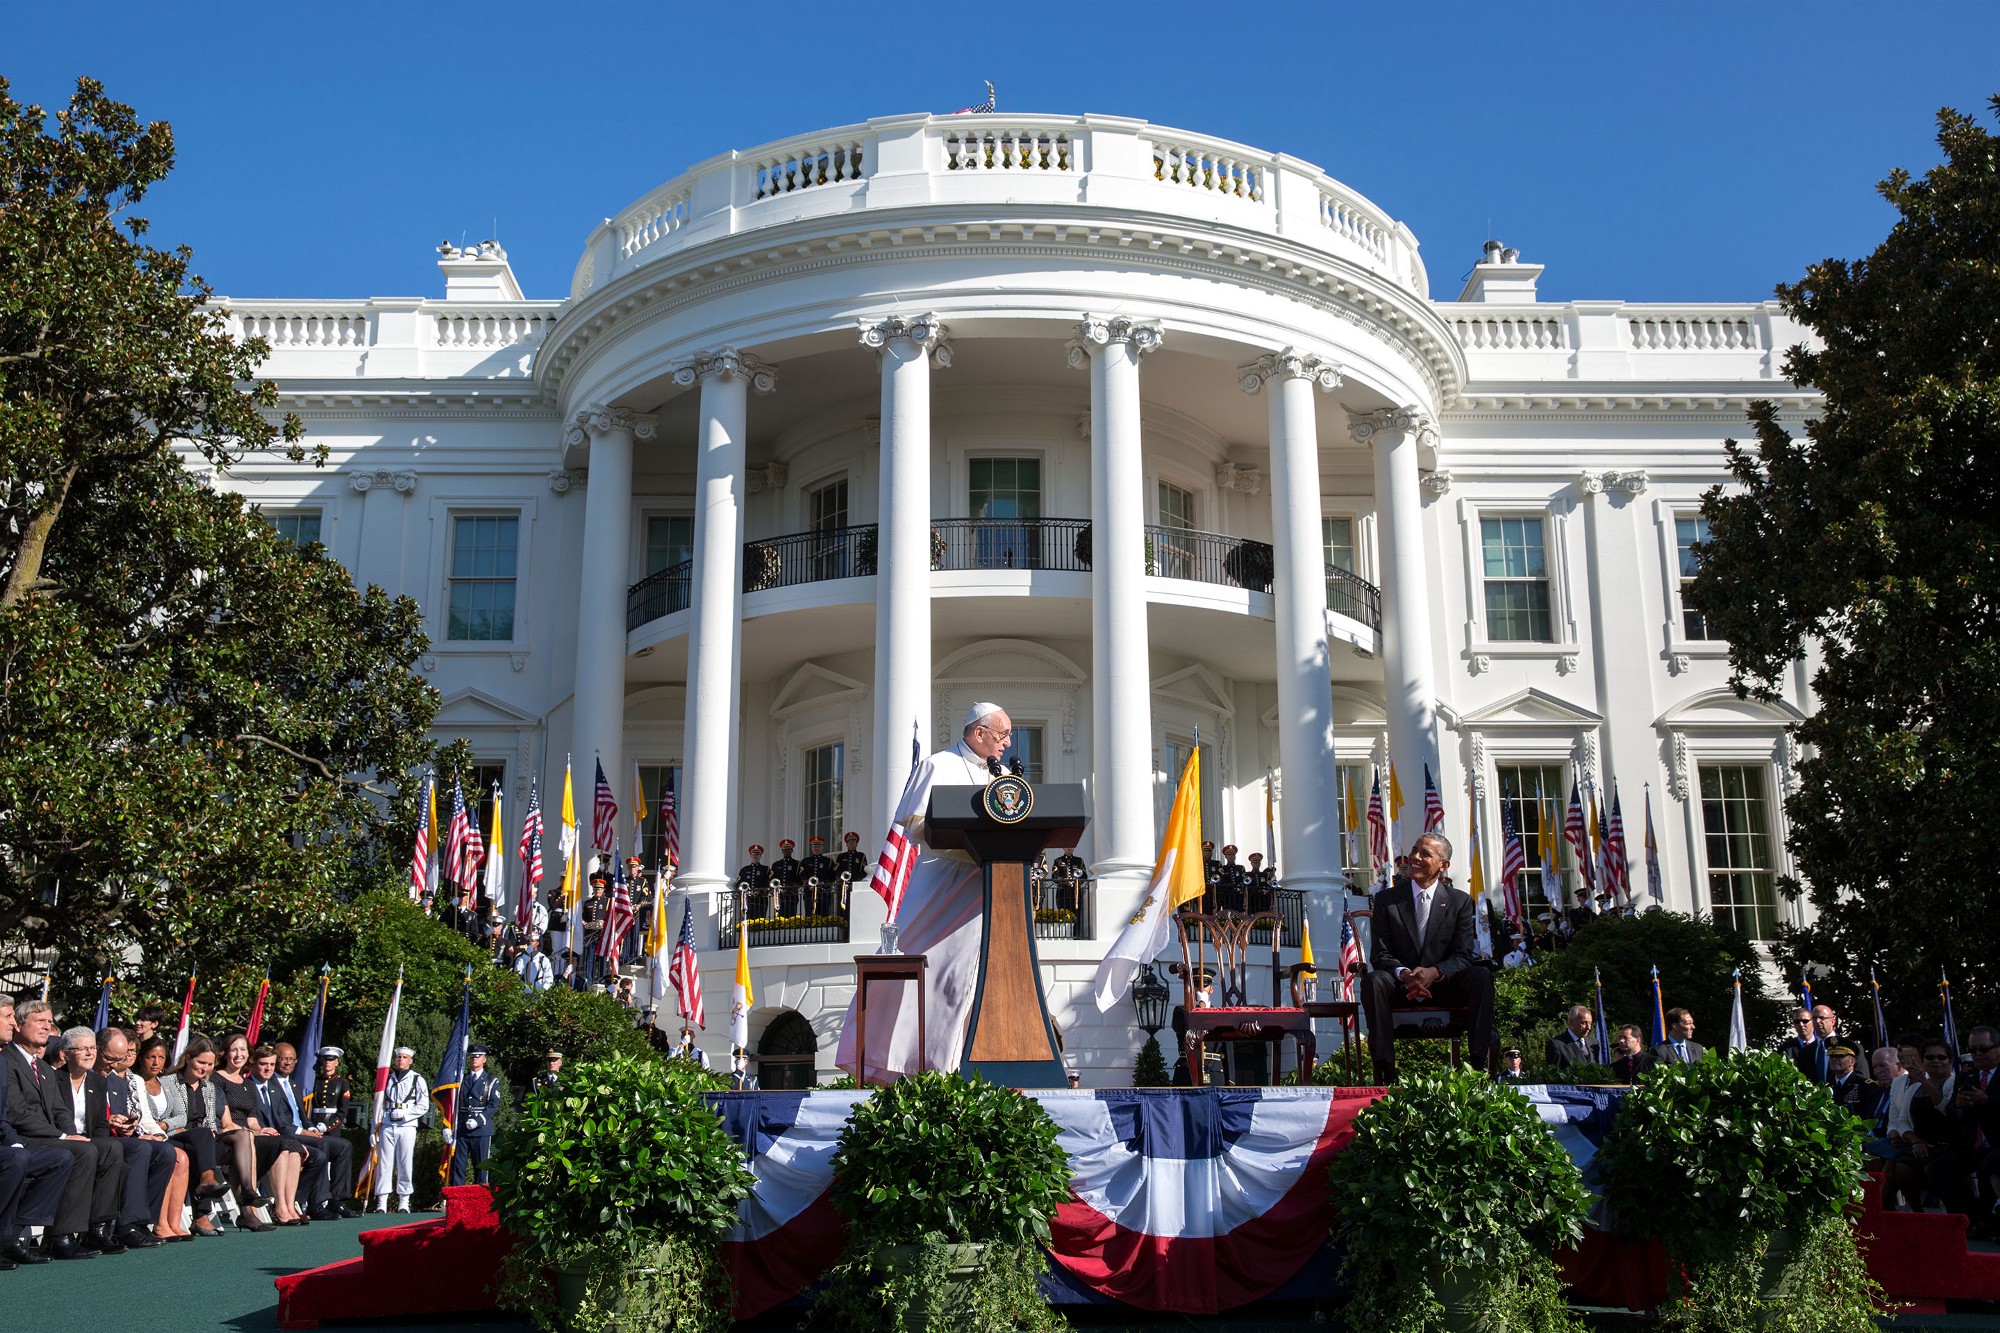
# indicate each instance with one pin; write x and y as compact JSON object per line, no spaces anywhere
{"x":1215,"y":972}
{"x":1442,"y":1022}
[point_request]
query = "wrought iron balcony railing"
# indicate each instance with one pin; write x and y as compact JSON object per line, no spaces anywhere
{"x":1208,"y":557}
{"x":1289,"y":904}
{"x":1354,"y":597}
{"x":658,"y":595}
{"x":806,"y":914}
{"x":1064,"y":909}
{"x":809,"y":557}
{"x":1010,"y":543}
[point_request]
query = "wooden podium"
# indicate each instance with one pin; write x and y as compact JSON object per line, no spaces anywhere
{"x":1005,"y":825}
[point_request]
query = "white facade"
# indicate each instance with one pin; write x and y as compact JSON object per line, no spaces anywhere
{"x":1159,"y":334}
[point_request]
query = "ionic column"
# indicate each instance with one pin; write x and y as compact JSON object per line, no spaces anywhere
{"x":1409,"y":684}
{"x":905,"y":347}
{"x":600,"y":601}
{"x":715,"y":616}
{"x":1310,"y":826}
{"x":1121,"y":669}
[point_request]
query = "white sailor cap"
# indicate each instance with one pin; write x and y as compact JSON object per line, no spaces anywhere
{"x":406,"y":1050}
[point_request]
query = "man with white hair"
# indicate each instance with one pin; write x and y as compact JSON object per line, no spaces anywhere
{"x":939,"y":918}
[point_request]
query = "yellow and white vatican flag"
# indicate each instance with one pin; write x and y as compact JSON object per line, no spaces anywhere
{"x":1177,"y":879}
{"x":496,"y":857}
{"x":739,"y":1004}
{"x":572,"y":880}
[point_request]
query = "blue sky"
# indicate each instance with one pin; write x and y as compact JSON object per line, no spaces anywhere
{"x":1685,"y":151}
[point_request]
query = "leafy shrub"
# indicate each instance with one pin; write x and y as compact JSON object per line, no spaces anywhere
{"x":1452,"y":1184}
{"x":960,"y":1157}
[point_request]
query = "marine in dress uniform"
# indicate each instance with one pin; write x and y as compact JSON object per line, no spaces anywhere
{"x":1069,"y":873}
{"x":819,"y":866}
{"x":853,"y":863}
{"x":404,"y":1102}
{"x":788,"y":880}
{"x":593,"y":912}
{"x":1260,"y":885}
{"x":327,"y":1107}
{"x":1232,"y":884}
{"x":754,"y":879}
{"x":478,"y":1107}
{"x":1211,"y":870}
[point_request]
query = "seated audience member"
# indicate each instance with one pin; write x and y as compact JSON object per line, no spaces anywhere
{"x":1680,"y":1047}
{"x":148,"y":1065}
{"x":1414,"y":963}
{"x":1804,"y":1048}
{"x":41,"y":1106}
{"x":32,"y":1179}
{"x":1851,"y":1090}
{"x":147,"y":1025}
{"x":328,"y":1173}
{"x":1573,"y":1045}
{"x":198,"y":1120}
{"x":1510,"y":1064}
{"x":1891,"y":1142}
{"x":1629,"y":1057}
{"x":279,"y":1160}
{"x":1963,"y":1176}
{"x":113,"y":1118}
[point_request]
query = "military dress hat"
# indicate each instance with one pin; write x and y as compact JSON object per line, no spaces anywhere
{"x":756,"y":850}
{"x":786,"y":844}
{"x":1208,"y":846}
{"x":331,"y":1053}
{"x":553,"y":1055}
{"x":1842,"y":1049}
{"x":1510,"y":1052}
{"x":477,"y":1048}
{"x":850,"y":837}
{"x":1256,"y":856}
{"x":1229,"y":849}
{"x":818,"y":841}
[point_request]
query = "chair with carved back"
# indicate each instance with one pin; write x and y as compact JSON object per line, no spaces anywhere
{"x":1440,"y":1022}
{"x":1216,"y":977}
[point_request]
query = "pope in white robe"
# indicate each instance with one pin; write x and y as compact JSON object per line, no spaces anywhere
{"x":939,"y":918}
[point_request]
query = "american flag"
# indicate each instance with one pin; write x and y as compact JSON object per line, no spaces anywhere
{"x":1578,"y":836}
{"x":1615,"y":881}
{"x":984,"y":108}
{"x":899,"y":850}
{"x":685,"y":974}
{"x":619,"y":917}
{"x":1513,"y":860}
{"x":603,"y":813}
{"x":464,"y":850}
{"x":1378,"y":828}
{"x":1433,"y":804}
{"x":1350,"y":957}
{"x":420,"y":858}
{"x":670,"y":828}
{"x":531,"y":854}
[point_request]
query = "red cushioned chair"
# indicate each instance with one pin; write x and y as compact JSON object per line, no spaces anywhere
{"x":1215,"y":949}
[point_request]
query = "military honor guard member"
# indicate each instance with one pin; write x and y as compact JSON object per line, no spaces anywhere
{"x":404,"y":1102}
{"x":478,"y":1107}
{"x":534,"y":967}
{"x":852,"y":863}
{"x":551,"y":1075}
{"x":753,"y":879}
{"x":788,"y":880}
{"x":819,"y":880}
{"x":331,"y":1094}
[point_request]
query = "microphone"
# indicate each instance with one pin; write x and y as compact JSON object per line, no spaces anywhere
{"x":993,"y":765}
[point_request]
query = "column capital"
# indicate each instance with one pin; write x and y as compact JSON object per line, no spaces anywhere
{"x":727,"y":363}
{"x":403,"y":482}
{"x":1290,"y":364}
{"x":1364,"y":426}
{"x":925,"y":331}
{"x":599,"y":419}
{"x":1590,"y":483}
{"x":1141,"y":335}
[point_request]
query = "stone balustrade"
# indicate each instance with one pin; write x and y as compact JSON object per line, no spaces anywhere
{"x":1614,"y":340}
{"x":394,"y":337}
{"x":903,"y":161}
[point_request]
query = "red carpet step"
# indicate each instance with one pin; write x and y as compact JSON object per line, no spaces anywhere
{"x":443,"y":1266}
{"x":1920,"y":1258}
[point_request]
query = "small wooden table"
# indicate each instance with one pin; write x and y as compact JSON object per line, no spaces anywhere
{"x":893,"y":967}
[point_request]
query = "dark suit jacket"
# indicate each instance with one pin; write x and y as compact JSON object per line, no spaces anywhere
{"x":1449,"y":941}
{"x":1666,"y":1055}
{"x":1566,"y":1048}
{"x":1968,"y":1123}
{"x":36,"y":1113}
{"x":96,"y":1124}
{"x":1809,"y":1056}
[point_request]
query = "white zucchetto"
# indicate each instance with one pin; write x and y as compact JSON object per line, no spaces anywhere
{"x":976,"y":713}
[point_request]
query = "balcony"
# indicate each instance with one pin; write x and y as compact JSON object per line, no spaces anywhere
{"x":1064,"y":909}
{"x":777,"y":917}
{"x":1289,"y":904}
{"x":999,"y":544}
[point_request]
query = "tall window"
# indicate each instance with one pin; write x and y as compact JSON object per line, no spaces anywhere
{"x":1532,"y":795}
{"x":1006,"y":487}
{"x":1175,"y":756}
{"x":669,"y":541}
{"x":824,"y":792}
{"x":1338,"y":536}
{"x":826,"y":514}
{"x":1689,"y":529}
{"x":1174,"y":556}
{"x":1354,"y":780}
{"x":483,"y":552}
{"x":300,"y":529}
{"x":1736,"y":823}
{"x":1517,"y":580}
{"x":658,"y":780}
{"x":1028,"y":745}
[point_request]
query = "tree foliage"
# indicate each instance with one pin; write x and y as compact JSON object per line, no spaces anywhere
{"x":1872,"y":541}
{"x":206,"y":727}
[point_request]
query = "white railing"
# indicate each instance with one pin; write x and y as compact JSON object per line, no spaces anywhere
{"x":660,"y":214}
{"x":825,"y":162}
{"x":1511,"y":332}
{"x":305,"y":328}
{"x":491,"y":328}
{"x":1694,"y":332}
{"x":1355,"y":222}
{"x":985,"y":148}
{"x":1200,"y":167}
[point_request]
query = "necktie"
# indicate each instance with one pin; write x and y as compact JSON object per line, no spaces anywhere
{"x":1681,"y":1050}
{"x":1423,"y":915}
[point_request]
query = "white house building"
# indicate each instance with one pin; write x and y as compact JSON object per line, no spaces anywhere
{"x":1144,"y":434}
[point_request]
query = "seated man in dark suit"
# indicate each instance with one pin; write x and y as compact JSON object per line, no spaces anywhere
{"x":1680,"y":1047}
{"x":41,"y":1112}
{"x":1423,"y":954}
{"x":1573,"y":1046}
{"x":31,"y":1179}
